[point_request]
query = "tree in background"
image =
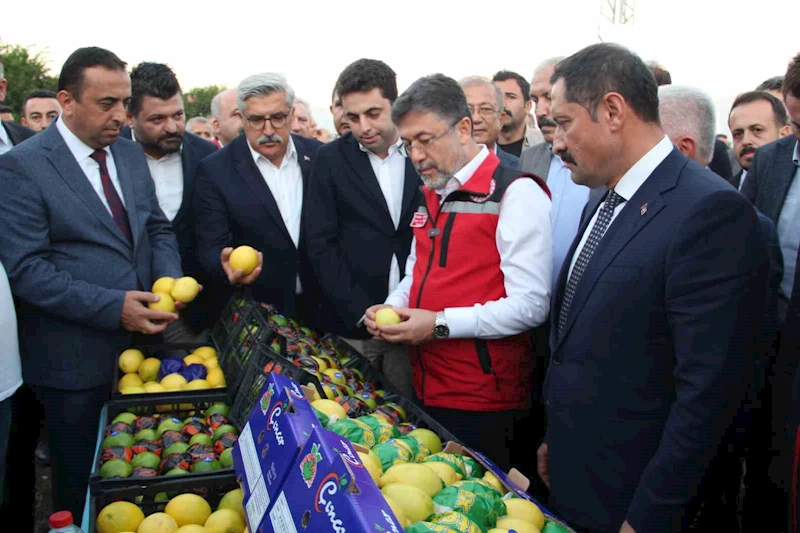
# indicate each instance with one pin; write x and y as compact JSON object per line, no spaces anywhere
{"x":25,"y":71}
{"x":197,"y":102}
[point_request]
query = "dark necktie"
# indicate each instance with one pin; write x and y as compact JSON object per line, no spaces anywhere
{"x":600,"y":226}
{"x":114,"y":201}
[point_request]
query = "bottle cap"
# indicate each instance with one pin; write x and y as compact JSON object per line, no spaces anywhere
{"x":60,"y":519}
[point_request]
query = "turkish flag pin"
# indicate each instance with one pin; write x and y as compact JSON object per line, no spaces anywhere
{"x":643,"y":210}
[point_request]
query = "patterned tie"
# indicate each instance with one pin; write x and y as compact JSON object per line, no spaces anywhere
{"x":600,"y":226}
{"x":114,"y":201}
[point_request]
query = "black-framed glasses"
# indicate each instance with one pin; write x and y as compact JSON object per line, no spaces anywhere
{"x":257,"y":122}
{"x":485,"y":111}
{"x":408,"y":147}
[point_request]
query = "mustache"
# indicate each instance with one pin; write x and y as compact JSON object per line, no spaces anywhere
{"x":274,"y":138}
{"x":425,"y":166}
{"x":747,"y":150}
{"x":169,"y":136}
{"x":546,"y":121}
{"x":568,"y":158}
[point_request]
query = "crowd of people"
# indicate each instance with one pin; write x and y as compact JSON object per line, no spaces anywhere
{"x":593,"y":286}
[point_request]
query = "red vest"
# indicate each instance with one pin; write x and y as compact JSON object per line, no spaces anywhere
{"x":458,"y":265}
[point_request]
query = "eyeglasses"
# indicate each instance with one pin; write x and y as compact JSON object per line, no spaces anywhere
{"x":484,"y":111}
{"x":278,"y":120}
{"x":408,"y":147}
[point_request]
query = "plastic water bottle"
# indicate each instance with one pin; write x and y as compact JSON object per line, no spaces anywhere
{"x":62,"y":522}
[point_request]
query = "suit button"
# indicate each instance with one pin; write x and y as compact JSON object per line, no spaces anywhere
{"x":556,"y":360}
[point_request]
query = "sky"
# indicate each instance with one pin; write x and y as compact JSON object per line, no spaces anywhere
{"x":723,"y":48}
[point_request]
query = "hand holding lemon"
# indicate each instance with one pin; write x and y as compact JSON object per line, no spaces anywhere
{"x":242,"y":265}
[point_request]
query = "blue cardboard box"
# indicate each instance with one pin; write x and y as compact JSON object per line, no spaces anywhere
{"x":270,"y":442}
{"x":329,"y":490}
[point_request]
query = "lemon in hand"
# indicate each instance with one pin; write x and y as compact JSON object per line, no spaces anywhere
{"x":165,"y":303}
{"x":164,"y":285}
{"x":244,"y":258}
{"x":185,"y":289}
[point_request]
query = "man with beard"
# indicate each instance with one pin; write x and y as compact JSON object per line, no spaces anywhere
{"x":252,"y":193}
{"x":156,"y":112}
{"x":485,"y":101}
{"x":364,"y":192}
{"x":756,"y":118}
{"x":516,"y":135}
{"x":478,"y":277}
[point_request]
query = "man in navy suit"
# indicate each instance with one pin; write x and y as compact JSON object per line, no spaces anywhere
{"x":655,"y":314}
{"x":252,"y":193}
{"x":81,"y":233}
{"x":159,"y":126}
{"x":364,"y":192}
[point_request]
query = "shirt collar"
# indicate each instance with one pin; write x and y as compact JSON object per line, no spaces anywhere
{"x":80,"y":150}
{"x":796,"y":156}
{"x":461,"y":177}
{"x":393,"y":149}
{"x":641,"y":170}
{"x":291,"y":153}
{"x":4,"y":135}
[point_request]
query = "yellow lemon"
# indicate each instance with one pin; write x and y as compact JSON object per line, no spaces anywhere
{"x":216,"y":378}
{"x":193,"y":359}
{"x":374,"y":467}
{"x":173,"y":382}
{"x":211,"y":363}
{"x":446,"y":472}
{"x":386,"y":316}
{"x":164,"y":285}
{"x":521,"y":526}
{"x":165,"y":303}
{"x":398,"y":512}
{"x":225,"y":521}
{"x":158,"y":523}
{"x":130,"y":380}
{"x":185,"y":289}
{"x":188,"y":509}
{"x":492,"y":480}
{"x":524,"y":510}
{"x":148,"y":370}
{"x":233,"y":501}
{"x":197,"y":384}
{"x":154,"y":386}
{"x":244,"y":258}
{"x":132,"y":390}
{"x":118,"y":517}
{"x":129,"y":361}
{"x":205,"y":352}
{"x":191,"y":528}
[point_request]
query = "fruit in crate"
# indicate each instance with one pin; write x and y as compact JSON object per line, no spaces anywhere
{"x":129,"y":360}
{"x":119,"y":517}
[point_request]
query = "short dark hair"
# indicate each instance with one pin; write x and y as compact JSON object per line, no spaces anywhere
{"x":662,"y":75}
{"x":71,"y":77}
{"x":791,"y":80}
{"x":367,"y":74}
{"x":778,"y":110}
{"x":37,"y":93}
{"x":6,"y":109}
{"x":602,"y":68}
{"x":433,"y":94}
{"x":524,"y":86}
{"x":151,"y":79}
{"x":774,"y":83}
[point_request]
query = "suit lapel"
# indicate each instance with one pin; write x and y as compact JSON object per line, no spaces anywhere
{"x":778,"y":188}
{"x":541,"y":163}
{"x":187,"y":157}
{"x":247,"y":168}
{"x":304,"y":159}
{"x":359,"y":161}
{"x":126,"y":184}
{"x":637,"y":212}
{"x":67,"y":167}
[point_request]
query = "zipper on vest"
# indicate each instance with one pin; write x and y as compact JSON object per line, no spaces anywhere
{"x":448,"y":229}
{"x":485,"y":360}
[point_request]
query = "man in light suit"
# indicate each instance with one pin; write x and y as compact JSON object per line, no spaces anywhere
{"x":655,"y":318}
{"x":81,"y":234}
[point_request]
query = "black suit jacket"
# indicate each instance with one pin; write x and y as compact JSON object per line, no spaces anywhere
{"x":657,"y":351}
{"x":17,"y":132}
{"x":770,"y":176}
{"x":510,"y":160}
{"x":234,"y":206}
{"x":736,"y":180}
{"x":720,"y":160}
{"x":350,"y":235}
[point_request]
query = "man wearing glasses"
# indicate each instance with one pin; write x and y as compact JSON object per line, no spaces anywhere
{"x":485,"y":103}
{"x":251,"y":193}
{"x":478,"y":278}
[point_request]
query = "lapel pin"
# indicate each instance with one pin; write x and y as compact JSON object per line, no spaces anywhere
{"x":643,"y":210}
{"x":306,"y":158}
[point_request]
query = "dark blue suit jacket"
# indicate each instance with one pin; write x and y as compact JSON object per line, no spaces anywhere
{"x":350,"y":235}
{"x":204,"y":310}
{"x":234,"y":206}
{"x":509,"y":160}
{"x":657,"y":351}
{"x":68,"y":262}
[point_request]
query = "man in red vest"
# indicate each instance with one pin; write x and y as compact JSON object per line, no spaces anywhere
{"x":479,"y":275}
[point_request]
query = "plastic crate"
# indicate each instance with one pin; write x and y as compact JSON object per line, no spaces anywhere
{"x":356,"y":360}
{"x":180,"y":405}
{"x":226,"y":329}
{"x":253,"y":334}
{"x":211,"y":487}
{"x":415,"y":415}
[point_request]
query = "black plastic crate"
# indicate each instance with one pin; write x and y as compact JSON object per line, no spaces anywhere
{"x":226,"y":329}
{"x":180,"y":405}
{"x":253,"y":333}
{"x":415,"y":415}
{"x":211,"y":487}
{"x":356,"y":360}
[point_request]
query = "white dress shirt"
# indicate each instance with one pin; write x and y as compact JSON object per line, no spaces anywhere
{"x":167,"y":173}
{"x":391,"y":174}
{"x":627,"y":186}
{"x":82,"y":152}
{"x":5,"y":140}
{"x":524,"y":241}
{"x":286,"y":185}
{"x":741,"y":182}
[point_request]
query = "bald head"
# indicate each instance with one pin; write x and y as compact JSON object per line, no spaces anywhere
{"x":226,"y":120}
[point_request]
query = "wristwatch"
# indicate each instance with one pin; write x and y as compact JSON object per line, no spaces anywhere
{"x":440,"y":329}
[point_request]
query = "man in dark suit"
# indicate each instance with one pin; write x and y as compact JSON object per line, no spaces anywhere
{"x":364,"y":193}
{"x":252,"y":193}
{"x":653,"y":335}
{"x":156,"y":112}
{"x":11,"y":133}
{"x":82,"y":233}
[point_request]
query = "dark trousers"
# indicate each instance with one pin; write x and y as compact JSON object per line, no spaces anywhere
{"x":72,"y":421}
{"x":491,"y":433}
{"x":5,"y":430}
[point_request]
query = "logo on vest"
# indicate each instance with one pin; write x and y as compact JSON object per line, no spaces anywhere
{"x":419,"y":220}
{"x":328,"y":487}
{"x":482,"y":199}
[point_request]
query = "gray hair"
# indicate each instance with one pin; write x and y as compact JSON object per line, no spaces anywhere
{"x":688,"y":111}
{"x":472,"y":81}
{"x":196,"y":120}
{"x":2,"y":71}
{"x":549,"y":62}
{"x":263,"y":84}
{"x":307,"y":106}
{"x":216,"y":103}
